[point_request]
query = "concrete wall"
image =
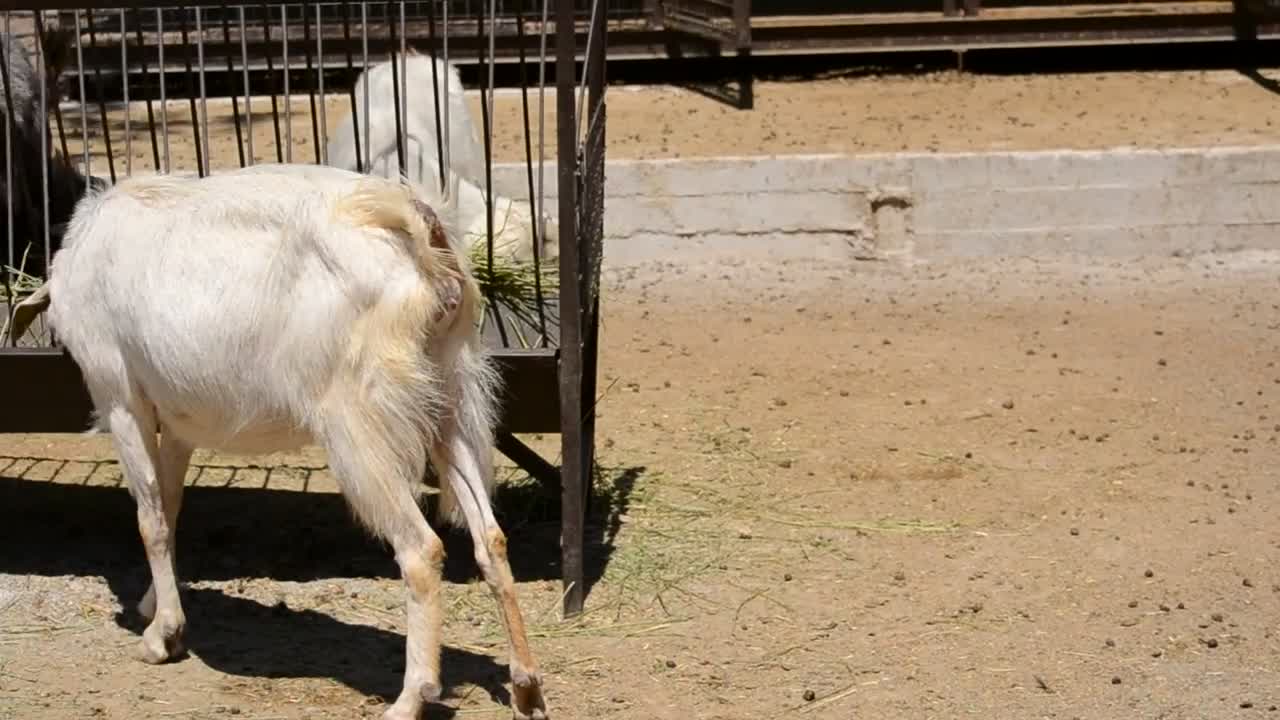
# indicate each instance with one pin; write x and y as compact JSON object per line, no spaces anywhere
{"x":1111,"y":202}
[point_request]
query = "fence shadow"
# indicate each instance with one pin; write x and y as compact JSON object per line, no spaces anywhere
{"x":701,"y":67}
{"x":54,"y":528}
{"x":1262,"y":81}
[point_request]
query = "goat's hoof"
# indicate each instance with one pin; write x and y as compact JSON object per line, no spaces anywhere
{"x":526,"y":698}
{"x":156,"y":651}
{"x":429,"y":692}
{"x":403,"y":710}
{"x":160,"y":644}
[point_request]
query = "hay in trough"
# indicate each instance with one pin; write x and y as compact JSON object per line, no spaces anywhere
{"x":518,"y":289}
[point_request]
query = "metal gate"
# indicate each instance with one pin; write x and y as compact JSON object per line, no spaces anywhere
{"x":136,"y":80}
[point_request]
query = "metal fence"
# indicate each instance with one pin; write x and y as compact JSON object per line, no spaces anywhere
{"x":86,"y":103}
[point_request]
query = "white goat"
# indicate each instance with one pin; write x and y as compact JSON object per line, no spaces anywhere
{"x":466,"y":154}
{"x":513,"y":220}
{"x":263,"y":309}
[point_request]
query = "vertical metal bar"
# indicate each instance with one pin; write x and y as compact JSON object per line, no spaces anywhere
{"x":201,"y":170}
{"x":435,"y":94}
{"x":151,"y":117}
{"x":204,"y":95}
{"x":44,"y":129}
{"x":742,"y":23}
{"x":322,"y":145}
{"x":102,"y":100}
{"x":248,"y":95}
{"x":311,"y":86}
{"x":124,"y":87}
{"x":444,"y":51}
{"x":231,"y":70}
{"x":582,"y":93}
{"x":288,"y":96}
{"x":542,"y":113}
{"x":404,"y":82}
{"x":538,"y":231}
{"x":9,"y":127}
{"x":395,"y":89}
{"x":493,"y":36}
{"x":591,"y":248}
{"x":273,"y":83}
{"x":571,"y":470}
{"x":57,"y":108}
{"x":84,"y":117}
{"x":486,"y":119}
{"x":364,"y":34}
{"x":164,"y":101}
{"x":355,"y":116}
{"x":5,"y":70}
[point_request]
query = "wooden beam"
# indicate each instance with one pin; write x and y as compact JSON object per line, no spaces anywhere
{"x":44,"y":393}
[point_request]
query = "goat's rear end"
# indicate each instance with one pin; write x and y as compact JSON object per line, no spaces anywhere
{"x":263,"y":309}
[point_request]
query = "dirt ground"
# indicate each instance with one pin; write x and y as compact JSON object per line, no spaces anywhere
{"x":999,"y":489}
{"x":1016,"y":488}
{"x":927,"y":113}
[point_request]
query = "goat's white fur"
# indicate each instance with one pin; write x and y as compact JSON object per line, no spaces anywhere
{"x":262,"y":309}
{"x":512,"y":219}
{"x":466,"y":153}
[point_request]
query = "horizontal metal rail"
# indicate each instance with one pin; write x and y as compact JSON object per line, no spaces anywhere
{"x":632,"y":39}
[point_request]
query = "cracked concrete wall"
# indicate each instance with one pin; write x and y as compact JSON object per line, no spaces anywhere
{"x":1111,"y":202}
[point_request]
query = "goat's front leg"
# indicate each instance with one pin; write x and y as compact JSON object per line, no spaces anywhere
{"x":140,"y":457}
{"x":465,"y":472}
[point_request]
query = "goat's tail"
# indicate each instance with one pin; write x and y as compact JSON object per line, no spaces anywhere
{"x":471,"y":380}
{"x":409,"y":211}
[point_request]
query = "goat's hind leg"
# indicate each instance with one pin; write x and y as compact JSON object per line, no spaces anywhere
{"x":376,"y":464}
{"x":133,"y":430}
{"x":171,"y":471}
{"x":466,"y":470}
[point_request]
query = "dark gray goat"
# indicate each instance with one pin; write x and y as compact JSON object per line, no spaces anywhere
{"x":22,"y":189}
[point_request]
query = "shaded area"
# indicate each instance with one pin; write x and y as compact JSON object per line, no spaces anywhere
{"x":234,"y":532}
{"x":724,"y":78}
{"x":1262,"y":81}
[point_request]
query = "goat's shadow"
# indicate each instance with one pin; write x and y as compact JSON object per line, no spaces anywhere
{"x":55,"y":528}
{"x":245,"y":638}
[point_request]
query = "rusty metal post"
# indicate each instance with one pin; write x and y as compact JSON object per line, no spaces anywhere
{"x":572,"y":468}
{"x":742,"y":39}
{"x":652,"y":10}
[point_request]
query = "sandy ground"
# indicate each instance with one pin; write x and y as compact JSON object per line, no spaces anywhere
{"x":992,"y":489}
{"x":1001,"y":489}
{"x":941,"y":112}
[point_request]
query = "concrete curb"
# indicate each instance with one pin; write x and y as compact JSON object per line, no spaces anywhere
{"x":1123,"y":201}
